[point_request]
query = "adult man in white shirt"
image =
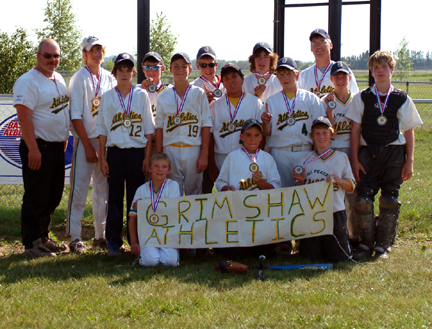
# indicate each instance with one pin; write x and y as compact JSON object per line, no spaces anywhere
{"x":41,"y":99}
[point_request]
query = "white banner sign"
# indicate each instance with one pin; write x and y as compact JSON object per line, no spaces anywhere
{"x":10,"y":139}
{"x":234,"y":219}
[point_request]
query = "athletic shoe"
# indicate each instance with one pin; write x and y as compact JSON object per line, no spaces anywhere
{"x":382,"y":253}
{"x":53,"y":245}
{"x":38,"y":250}
{"x":361,"y":252}
{"x":101,"y":243}
{"x":113,"y":249}
{"x":77,"y":246}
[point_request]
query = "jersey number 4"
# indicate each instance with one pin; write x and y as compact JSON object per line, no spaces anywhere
{"x":304,"y":130}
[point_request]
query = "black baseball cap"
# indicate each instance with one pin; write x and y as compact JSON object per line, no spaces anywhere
{"x":263,"y":45}
{"x":154,"y":55}
{"x":339,"y":67}
{"x":181,"y":55}
{"x":206,"y":51}
{"x":321,"y":32}
{"x":322,"y":120}
{"x":250,"y":123}
{"x":125,"y":57}
{"x":287,"y":62}
{"x":229,"y":67}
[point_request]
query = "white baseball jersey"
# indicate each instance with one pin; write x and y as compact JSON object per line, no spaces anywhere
{"x":111,"y":119}
{"x":82,"y":92}
{"x":407,"y":114}
{"x":49,"y":101}
{"x":235,"y":171}
{"x":342,"y":125}
{"x":171,"y":190}
{"x":307,"y":81}
{"x":154,"y":97}
{"x":195,"y":115}
{"x":226,"y":141}
{"x":251,"y":81}
{"x":307,"y":108}
{"x":318,"y":170}
{"x":152,"y":256}
{"x":199,"y":82}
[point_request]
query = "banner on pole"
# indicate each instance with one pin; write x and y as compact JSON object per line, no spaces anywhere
{"x":237,"y":219}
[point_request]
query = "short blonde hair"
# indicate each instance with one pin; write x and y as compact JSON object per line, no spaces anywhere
{"x":381,"y":57}
{"x":84,"y":55}
{"x":160,"y":156}
{"x":321,"y":125}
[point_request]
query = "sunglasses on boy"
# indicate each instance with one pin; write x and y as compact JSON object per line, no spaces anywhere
{"x":204,"y":65}
{"x":154,"y":67}
{"x":48,"y":56}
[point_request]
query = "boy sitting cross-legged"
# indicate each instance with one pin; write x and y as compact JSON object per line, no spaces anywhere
{"x":158,"y":187}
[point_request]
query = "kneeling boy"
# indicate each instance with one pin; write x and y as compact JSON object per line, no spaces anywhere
{"x":158,"y":187}
{"x":330,"y":165}
{"x":249,"y":168}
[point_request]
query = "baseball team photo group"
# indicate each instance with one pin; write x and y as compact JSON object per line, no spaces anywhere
{"x":225,"y":179}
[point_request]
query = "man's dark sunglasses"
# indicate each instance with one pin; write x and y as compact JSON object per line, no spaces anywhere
{"x":48,"y":56}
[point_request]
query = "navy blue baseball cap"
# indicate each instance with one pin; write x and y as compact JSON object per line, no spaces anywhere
{"x":263,"y":45}
{"x":181,"y":55}
{"x":152,"y":54}
{"x":229,"y":67}
{"x":321,"y":32}
{"x":125,"y":57}
{"x":206,"y":50}
{"x":287,"y":62}
{"x":250,"y":123}
{"x":339,"y":67}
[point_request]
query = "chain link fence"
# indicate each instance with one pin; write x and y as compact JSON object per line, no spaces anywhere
{"x":416,"y":200}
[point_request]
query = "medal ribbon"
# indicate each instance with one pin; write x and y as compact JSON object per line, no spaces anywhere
{"x":211,"y":83}
{"x":261,"y":75}
{"x":290,"y":110}
{"x":183,"y":100}
{"x":250,"y":156}
{"x":159,"y":85}
{"x":307,"y":161}
{"x":381,"y":105}
{"x":323,"y":76}
{"x":155,"y":203}
{"x":97,"y":87}
{"x":237,"y":107}
{"x":125,"y":110}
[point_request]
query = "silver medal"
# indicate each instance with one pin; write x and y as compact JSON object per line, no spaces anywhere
{"x":332,"y":105}
{"x":218,"y":93}
{"x":127,"y":123}
{"x":298,"y":170}
{"x":152,"y":88}
{"x":177,"y":120}
{"x":291,"y":121}
{"x":262,"y":81}
{"x":231,"y":127}
{"x":382,"y":120}
{"x":154,"y":218}
{"x":254,"y":167}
